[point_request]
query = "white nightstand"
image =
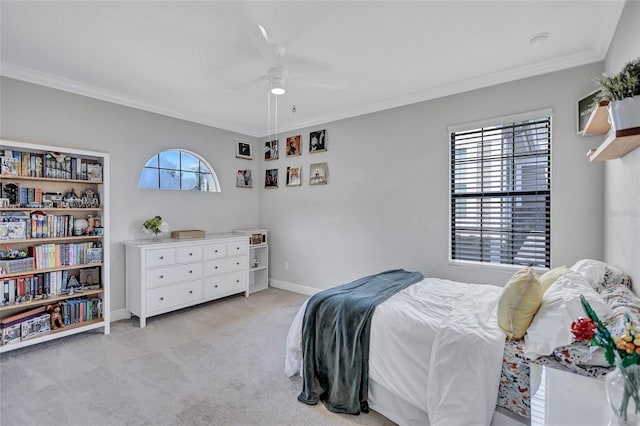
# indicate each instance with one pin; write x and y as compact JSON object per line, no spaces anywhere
{"x":566,"y":399}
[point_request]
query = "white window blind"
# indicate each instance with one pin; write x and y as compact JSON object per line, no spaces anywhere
{"x":500,"y":193}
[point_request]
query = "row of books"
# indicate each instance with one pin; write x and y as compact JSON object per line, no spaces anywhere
{"x":79,"y":310}
{"x":50,"y":165}
{"x":67,"y":254}
{"x":34,"y":286}
{"x":40,"y":225}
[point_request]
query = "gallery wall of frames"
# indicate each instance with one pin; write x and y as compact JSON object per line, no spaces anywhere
{"x":291,"y":175}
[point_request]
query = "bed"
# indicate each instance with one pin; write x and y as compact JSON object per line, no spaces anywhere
{"x":438,"y":356}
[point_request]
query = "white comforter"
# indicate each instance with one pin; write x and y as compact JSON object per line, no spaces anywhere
{"x":437,"y":345}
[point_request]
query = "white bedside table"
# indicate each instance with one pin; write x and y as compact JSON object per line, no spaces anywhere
{"x":567,"y":399}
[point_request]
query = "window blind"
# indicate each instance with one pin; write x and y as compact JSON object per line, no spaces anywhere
{"x":500,"y":193}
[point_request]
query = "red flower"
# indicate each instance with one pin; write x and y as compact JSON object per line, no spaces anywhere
{"x":583,"y":329}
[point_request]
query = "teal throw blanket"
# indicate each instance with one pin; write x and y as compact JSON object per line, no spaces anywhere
{"x":335,"y":340}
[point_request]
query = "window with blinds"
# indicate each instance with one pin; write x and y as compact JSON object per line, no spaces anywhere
{"x":500,"y":193}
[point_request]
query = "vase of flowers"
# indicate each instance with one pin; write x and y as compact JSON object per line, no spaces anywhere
{"x":155,"y":226}
{"x":622,"y":385}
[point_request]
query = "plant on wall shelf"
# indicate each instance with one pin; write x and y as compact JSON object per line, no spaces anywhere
{"x":622,"y":90}
{"x":625,"y":84}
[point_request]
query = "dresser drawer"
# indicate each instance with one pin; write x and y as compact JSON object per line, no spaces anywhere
{"x":173,"y":295}
{"x":214,"y":251}
{"x":222,"y":266}
{"x":172,"y":274}
{"x":188,"y":254}
{"x":237,"y":247}
{"x":225,"y":284}
{"x":160,"y":257}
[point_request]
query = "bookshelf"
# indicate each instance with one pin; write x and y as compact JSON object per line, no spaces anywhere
{"x":54,"y":214}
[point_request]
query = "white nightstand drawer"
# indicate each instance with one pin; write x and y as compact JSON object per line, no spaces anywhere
{"x":237,"y":247}
{"x":174,"y":295}
{"x":225,"y":284}
{"x":172,"y":274}
{"x":188,"y":254}
{"x":160,"y":257}
{"x":214,"y":251}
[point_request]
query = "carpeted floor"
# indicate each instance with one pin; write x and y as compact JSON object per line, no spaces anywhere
{"x":221,"y":363}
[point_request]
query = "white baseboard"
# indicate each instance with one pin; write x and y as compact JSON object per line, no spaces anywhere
{"x":296,"y":288}
{"x":119,"y":314}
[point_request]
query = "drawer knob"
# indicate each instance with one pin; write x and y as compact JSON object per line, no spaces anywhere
{"x":190,"y":291}
{"x":237,"y":263}
{"x":162,"y":298}
{"x":161,"y":257}
{"x":190,"y":254}
{"x":191,"y":272}
{"x":215,"y":251}
{"x":216,"y":286}
{"x":237,"y":248}
{"x":215,"y":267}
{"x":161,"y":276}
{"x":237,"y":281}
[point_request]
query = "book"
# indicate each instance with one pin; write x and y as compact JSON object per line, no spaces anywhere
{"x":9,"y":166}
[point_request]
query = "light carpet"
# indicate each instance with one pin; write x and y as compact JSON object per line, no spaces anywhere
{"x":220,"y":363}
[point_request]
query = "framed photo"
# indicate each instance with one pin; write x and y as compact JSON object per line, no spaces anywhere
{"x":293,"y":176}
{"x":243,"y":150}
{"x":271,"y":178}
{"x":244,"y":179}
{"x":271,"y":150}
{"x":317,"y":142}
{"x":586,"y":105}
{"x":293,"y":146}
{"x":318,"y":174}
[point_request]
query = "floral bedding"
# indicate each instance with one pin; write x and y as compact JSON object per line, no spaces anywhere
{"x":579,"y":358}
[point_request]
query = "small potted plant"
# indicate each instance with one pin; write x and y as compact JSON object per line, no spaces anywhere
{"x":622,"y":90}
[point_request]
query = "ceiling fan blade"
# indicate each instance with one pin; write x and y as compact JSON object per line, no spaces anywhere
{"x":260,"y":38}
{"x":324,"y":84}
{"x":238,"y":87}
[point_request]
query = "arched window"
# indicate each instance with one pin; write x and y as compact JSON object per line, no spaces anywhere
{"x":180,"y":170}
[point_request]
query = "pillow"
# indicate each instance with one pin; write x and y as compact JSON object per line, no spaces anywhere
{"x":551,"y":276}
{"x":551,"y":327}
{"x":518,"y":302}
{"x":592,"y":270}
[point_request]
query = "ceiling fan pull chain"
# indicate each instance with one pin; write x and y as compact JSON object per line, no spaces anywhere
{"x":269,"y":115}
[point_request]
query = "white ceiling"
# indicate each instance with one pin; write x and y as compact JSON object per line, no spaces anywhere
{"x":191,"y":60}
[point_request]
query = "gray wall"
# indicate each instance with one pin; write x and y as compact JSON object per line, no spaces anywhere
{"x":622,"y":176}
{"x":386,"y":204}
{"x":32,"y":113}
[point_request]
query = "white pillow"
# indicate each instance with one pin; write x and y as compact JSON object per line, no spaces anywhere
{"x":592,"y":270}
{"x":551,"y":327}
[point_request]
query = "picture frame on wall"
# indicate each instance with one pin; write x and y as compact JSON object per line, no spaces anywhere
{"x":271,"y":178}
{"x":243,"y":150}
{"x":271,"y":150}
{"x":317,"y":141}
{"x":586,"y":105}
{"x":318,"y":174}
{"x":293,"y":146}
{"x":294,"y":177}
{"x":244,"y":178}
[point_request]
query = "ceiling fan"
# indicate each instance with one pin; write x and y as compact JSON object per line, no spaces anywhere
{"x":278,"y":74}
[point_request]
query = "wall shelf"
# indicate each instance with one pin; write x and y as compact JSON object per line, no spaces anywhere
{"x":617,"y":144}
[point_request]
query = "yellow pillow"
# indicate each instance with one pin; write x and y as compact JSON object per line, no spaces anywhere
{"x":519,"y":301}
{"x":551,"y":276}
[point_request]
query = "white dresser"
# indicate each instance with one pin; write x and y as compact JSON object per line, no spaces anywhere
{"x":170,"y":274}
